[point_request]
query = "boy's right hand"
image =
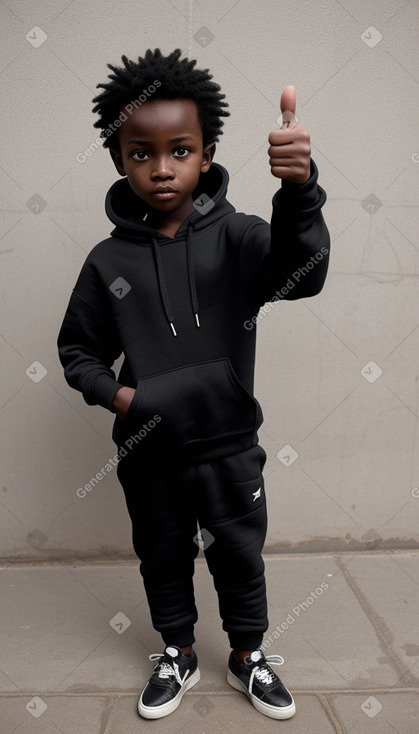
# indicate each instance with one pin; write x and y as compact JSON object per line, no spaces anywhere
{"x":122,"y":400}
{"x":289,"y":151}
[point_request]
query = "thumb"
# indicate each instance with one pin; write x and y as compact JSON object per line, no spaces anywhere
{"x":287,"y":118}
{"x":288,"y":101}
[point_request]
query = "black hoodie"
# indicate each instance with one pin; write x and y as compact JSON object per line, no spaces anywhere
{"x":183,"y":311}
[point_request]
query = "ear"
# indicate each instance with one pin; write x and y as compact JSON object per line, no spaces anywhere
{"x":207,"y":156}
{"x":117,"y":159}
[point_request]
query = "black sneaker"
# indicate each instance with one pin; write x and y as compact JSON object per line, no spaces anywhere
{"x":172,"y":676}
{"x":254,"y":677}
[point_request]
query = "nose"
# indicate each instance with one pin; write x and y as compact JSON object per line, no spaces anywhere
{"x":162,"y":168}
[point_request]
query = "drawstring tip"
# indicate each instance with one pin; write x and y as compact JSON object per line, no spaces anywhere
{"x":173,"y":329}
{"x":197,"y":320}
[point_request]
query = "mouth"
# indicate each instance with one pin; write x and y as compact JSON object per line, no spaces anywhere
{"x":164,"y":193}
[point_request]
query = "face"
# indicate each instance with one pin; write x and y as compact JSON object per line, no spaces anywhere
{"x":162,"y":155}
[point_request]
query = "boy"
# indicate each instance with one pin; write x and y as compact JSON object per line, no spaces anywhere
{"x":176,"y":289}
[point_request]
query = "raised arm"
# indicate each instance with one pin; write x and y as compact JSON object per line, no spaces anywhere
{"x":297,"y":262}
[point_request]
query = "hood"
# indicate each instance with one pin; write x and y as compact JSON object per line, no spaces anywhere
{"x":126,"y":210}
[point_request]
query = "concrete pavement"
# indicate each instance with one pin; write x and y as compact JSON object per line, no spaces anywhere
{"x":75,"y":640}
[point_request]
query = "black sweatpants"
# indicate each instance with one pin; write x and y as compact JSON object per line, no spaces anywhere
{"x":226,"y":496}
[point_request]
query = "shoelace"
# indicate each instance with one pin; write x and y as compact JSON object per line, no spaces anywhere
{"x":166,"y":670}
{"x":262,"y":673}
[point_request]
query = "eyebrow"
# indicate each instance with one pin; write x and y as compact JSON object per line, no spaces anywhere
{"x":179,"y":139}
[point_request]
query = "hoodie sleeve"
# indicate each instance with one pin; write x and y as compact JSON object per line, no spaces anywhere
{"x":88,"y":343}
{"x":296,"y":263}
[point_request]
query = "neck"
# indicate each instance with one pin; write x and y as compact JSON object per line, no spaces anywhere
{"x":170,"y":221}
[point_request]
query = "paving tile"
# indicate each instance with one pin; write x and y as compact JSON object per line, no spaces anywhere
{"x":50,"y":624}
{"x":229,"y":714}
{"x":378,"y":713}
{"x":110,"y":582}
{"x":323,"y":634}
{"x":390,"y":585}
{"x":54,"y":714}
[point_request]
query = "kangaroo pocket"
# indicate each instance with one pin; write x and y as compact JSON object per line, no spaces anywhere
{"x":197,"y":404}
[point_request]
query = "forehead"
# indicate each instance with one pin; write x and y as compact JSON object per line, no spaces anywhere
{"x":161,"y":118}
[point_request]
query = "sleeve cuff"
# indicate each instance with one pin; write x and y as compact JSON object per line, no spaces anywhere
{"x":103,"y":391}
{"x":289,"y":189}
{"x":302,"y":200}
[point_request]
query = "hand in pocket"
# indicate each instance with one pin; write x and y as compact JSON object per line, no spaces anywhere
{"x":122,"y":400}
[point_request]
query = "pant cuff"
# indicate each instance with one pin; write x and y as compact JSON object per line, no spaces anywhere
{"x":180,"y":638}
{"x":245,"y":641}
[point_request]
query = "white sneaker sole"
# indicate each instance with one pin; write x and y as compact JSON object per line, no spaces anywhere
{"x":274,"y":712}
{"x":157,"y":712}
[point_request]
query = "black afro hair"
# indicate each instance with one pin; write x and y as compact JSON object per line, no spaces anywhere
{"x":159,"y":77}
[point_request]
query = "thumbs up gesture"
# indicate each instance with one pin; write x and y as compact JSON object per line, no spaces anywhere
{"x":289,"y":150}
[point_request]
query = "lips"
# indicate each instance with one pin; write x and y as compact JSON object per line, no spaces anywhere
{"x":164,"y":193}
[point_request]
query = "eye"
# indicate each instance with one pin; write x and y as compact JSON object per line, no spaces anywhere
{"x":182,"y":152}
{"x":139,"y":155}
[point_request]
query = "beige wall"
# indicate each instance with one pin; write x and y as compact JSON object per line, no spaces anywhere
{"x":354,"y":482}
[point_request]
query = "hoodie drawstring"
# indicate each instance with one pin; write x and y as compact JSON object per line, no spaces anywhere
{"x":191,"y":278}
{"x":163,"y":288}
